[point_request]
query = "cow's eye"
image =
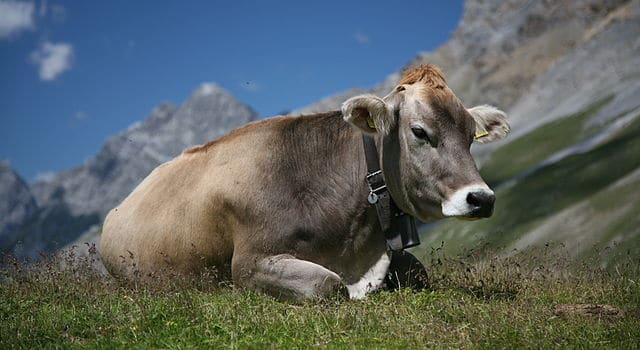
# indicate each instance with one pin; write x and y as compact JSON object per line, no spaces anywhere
{"x":424,"y":135}
{"x":420,"y":133}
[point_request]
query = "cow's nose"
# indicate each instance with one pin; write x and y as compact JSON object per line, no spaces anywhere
{"x":482,"y":203}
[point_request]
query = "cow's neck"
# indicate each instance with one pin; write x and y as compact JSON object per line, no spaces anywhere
{"x":333,"y":151}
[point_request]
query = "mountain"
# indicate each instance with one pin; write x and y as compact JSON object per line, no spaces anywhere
{"x":74,"y":202}
{"x":17,"y":205}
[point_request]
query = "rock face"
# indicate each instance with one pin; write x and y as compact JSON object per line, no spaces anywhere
{"x":71,"y":202}
{"x":17,"y":205}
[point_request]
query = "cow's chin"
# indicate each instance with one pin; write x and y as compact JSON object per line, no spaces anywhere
{"x":469,"y":216}
{"x":429,"y":212}
{"x":466,"y":216}
{"x":437,"y":215}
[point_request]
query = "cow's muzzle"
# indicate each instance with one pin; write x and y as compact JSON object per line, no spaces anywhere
{"x":481,"y":203}
{"x":475,"y":201}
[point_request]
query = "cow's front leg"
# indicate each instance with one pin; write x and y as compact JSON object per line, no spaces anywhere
{"x":406,"y":271}
{"x":287,"y":278}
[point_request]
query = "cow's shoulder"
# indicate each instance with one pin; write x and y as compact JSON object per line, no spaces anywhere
{"x":268,"y":124}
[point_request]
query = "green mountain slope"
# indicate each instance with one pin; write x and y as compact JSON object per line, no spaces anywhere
{"x":534,"y":147}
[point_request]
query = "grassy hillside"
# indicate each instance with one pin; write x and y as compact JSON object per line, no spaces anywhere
{"x":582,"y":200}
{"x":521,"y":301}
{"x":535,"y":146}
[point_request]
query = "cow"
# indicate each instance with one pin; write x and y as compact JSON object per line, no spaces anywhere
{"x":280,"y":205}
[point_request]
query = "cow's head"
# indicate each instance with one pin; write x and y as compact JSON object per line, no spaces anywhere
{"x":424,"y":135}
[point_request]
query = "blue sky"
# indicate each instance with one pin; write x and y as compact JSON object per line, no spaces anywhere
{"x":74,"y":72}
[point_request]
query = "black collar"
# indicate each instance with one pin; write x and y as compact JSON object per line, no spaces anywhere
{"x":399,"y":228}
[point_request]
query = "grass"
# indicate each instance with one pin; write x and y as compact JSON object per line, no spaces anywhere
{"x":475,"y":301}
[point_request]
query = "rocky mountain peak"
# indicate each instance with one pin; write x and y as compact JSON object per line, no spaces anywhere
{"x":17,"y":205}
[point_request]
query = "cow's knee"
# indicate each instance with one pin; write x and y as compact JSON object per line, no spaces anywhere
{"x":406,"y":271}
{"x":287,"y":278}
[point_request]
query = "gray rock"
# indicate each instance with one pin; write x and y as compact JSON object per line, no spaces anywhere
{"x":17,"y":205}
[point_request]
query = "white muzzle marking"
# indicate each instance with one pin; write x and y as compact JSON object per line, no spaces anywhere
{"x":457,"y":204}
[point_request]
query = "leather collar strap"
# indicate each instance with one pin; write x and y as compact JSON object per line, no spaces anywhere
{"x":399,"y":228}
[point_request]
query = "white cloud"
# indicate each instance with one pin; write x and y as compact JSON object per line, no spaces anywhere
{"x":15,"y":16}
{"x":52,"y":59}
{"x":362,"y":38}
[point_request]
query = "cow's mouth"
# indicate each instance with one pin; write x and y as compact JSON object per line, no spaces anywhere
{"x":482,"y":212}
{"x":470,"y":202}
{"x":427,"y":210}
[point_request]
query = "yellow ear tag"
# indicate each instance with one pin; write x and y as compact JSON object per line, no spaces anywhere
{"x":481,"y":134}
{"x":370,"y":122}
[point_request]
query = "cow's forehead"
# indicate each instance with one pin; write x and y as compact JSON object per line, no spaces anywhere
{"x":430,"y":87}
{"x":442,"y":105}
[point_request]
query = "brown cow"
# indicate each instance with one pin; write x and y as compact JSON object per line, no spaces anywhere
{"x":281,"y":206}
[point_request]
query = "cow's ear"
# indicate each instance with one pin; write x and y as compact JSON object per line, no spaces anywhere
{"x":491,"y":123}
{"x":368,"y":113}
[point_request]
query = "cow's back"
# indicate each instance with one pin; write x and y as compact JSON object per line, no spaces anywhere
{"x":179,"y":218}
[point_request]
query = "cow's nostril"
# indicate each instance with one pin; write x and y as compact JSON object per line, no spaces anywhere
{"x":482,"y":202}
{"x":474,"y":199}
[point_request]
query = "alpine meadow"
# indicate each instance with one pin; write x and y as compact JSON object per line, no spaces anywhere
{"x":556,"y":265}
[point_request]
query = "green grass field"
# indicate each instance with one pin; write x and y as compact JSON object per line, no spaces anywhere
{"x":475,"y":301}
